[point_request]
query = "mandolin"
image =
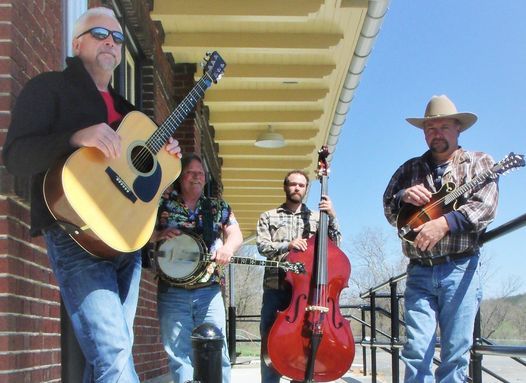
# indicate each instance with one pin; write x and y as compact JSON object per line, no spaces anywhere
{"x":109,"y":206}
{"x":445,"y":200}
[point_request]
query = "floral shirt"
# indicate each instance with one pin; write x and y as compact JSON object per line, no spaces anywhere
{"x":478,"y":206}
{"x":174,"y":213}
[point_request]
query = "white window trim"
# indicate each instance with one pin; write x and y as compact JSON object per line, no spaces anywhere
{"x":73,"y":10}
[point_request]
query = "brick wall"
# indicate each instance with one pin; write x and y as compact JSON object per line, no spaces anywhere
{"x":31,"y":42}
{"x":188,"y":133}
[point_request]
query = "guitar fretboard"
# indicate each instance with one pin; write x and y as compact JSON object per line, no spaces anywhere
{"x":168,"y":127}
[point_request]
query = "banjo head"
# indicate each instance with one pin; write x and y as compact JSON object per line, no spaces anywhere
{"x":179,"y":259}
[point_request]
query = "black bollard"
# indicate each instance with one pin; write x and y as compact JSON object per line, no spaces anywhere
{"x":207,"y":344}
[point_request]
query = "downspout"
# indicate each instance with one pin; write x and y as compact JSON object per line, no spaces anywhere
{"x":371,"y":27}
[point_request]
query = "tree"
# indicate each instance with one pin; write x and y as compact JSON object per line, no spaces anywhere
{"x":499,"y":315}
{"x":248,"y":289}
{"x":373,"y":261}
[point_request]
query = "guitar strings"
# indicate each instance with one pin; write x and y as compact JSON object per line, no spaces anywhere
{"x":455,"y":193}
{"x":245,"y":260}
{"x":159,"y":134}
{"x":144,"y":153}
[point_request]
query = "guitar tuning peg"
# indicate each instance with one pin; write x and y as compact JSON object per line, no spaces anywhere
{"x":207,"y":54}
{"x":202,"y":64}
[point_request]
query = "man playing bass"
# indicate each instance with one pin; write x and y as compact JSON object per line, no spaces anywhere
{"x":279,"y":231}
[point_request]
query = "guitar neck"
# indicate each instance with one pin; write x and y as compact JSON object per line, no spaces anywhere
{"x":168,"y":127}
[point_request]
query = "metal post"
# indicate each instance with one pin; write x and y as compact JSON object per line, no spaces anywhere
{"x":373,"y":337}
{"x":232,"y":316}
{"x":207,"y":345}
{"x":232,"y":325}
{"x":364,"y":351}
{"x":476,"y":359}
{"x":395,"y":333}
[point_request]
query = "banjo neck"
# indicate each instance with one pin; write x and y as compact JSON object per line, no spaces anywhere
{"x":297,"y":268}
{"x":183,"y":261}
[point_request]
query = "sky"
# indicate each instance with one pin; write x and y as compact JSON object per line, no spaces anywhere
{"x":474,"y":51}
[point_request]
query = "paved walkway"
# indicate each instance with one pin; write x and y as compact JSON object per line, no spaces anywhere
{"x":246,"y":370}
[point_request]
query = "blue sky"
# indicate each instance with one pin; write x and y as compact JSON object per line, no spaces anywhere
{"x":475,"y":52}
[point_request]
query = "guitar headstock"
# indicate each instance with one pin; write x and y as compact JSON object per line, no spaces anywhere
{"x":323,"y":167}
{"x":214,"y":66}
{"x":508,"y":163}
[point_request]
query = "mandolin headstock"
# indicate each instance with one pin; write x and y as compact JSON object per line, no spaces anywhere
{"x":508,"y":163}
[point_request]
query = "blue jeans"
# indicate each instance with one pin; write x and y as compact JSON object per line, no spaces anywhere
{"x":448,"y":295}
{"x":180,"y":311}
{"x":273,"y":301}
{"x":100,"y":296}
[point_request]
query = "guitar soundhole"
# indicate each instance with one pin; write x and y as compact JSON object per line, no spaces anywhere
{"x":142,"y":159}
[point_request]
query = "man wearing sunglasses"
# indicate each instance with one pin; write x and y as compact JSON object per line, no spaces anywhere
{"x":56,"y":113}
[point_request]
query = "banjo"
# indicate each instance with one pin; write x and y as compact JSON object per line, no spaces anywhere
{"x":183,"y":260}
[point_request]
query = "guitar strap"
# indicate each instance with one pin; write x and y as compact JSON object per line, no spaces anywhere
{"x":208,"y":223}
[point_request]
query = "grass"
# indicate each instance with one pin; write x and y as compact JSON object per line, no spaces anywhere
{"x":247,"y":349}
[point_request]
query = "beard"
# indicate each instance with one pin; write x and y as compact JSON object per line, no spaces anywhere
{"x":107,"y":61}
{"x":294,"y":197}
{"x":439,"y":145}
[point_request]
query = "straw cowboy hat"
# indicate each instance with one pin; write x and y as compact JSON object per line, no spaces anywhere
{"x":442,"y":107}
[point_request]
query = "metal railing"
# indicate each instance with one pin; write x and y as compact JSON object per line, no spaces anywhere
{"x":481,"y":346}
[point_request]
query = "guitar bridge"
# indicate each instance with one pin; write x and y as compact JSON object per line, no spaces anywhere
{"x":121,"y":185}
{"x":321,"y":309}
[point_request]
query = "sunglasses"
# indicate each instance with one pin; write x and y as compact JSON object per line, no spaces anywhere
{"x":101,"y":33}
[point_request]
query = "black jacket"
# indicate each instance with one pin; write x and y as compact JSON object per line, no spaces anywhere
{"x":51,"y":107}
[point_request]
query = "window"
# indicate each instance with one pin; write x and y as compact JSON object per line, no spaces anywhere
{"x":73,"y":10}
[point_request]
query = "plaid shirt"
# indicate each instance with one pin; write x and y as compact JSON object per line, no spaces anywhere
{"x":478,"y":205}
{"x":277,"y":227}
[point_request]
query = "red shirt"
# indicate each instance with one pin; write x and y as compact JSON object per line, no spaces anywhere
{"x":113,"y":116}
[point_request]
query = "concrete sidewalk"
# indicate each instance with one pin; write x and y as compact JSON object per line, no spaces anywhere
{"x":246,"y":370}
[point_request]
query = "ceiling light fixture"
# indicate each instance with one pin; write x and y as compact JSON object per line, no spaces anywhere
{"x":270,"y":139}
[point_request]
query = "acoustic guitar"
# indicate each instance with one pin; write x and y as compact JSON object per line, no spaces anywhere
{"x":445,"y":200}
{"x":110,"y":206}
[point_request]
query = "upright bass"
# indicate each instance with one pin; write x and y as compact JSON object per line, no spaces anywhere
{"x":311,"y":341}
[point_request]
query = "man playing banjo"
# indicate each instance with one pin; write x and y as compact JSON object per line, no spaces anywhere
{"x":186,"y":301}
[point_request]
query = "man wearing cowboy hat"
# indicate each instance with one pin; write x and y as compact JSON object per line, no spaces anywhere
{"x":443,"y":284}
